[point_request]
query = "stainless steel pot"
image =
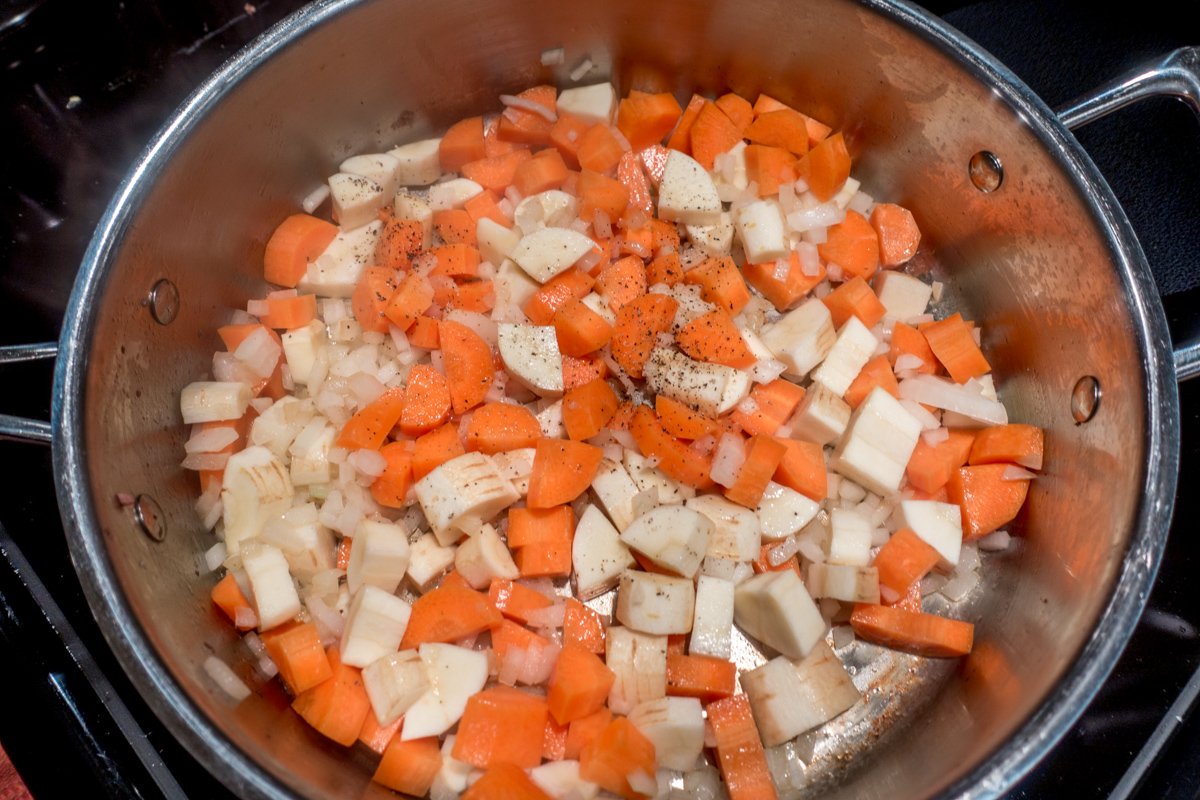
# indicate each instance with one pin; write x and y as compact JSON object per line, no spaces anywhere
{"x":1015,"y":217}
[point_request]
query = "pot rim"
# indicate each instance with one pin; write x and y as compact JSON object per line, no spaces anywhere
{"x":1003,"y":768}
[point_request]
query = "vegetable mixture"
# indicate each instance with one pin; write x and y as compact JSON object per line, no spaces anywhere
{"x":562,"y":405}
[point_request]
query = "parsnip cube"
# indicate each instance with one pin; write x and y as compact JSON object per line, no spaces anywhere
{"x":454,"y":673}
{"x":711,"y":389}
{"x":273,"y":592}
{"x":657,"y":604}
{"x":675,"y":725}
{"x":939,"y":524}
{"x":336,"y":272}
{"x":496,"y":243}
{"x":550,"y":420}
{"x":427,"y":560}
{"x":356,"y":199}
{"x":300,"y":348}
{"x":783,"y":512}
{"x":776,"y":609}
{"x":715,"y":240}
{"x":802,"y":337}
{"x":902,"y":295}
{"x":516,"y":466}
{"x":713,"y":620}
{"x":310,"y":453}
{"x":452,"y":193}
{"x":844,"y":582}
{"x":853,"y":348}
{"x":483,"y":558}
{"x":214,"y":401}
{"x":379,"y":556}
{"x":736,"y":531}
{"x":653,"y":479}
{"x":560,"y":779}
{"x":305,"y":543}
{"x":462,"y":492}
{"x":598,"y":556}
{"x":789,"y":698}
{"x":379,"y":167}
{"x":548,"y":251}
{"x":822,"y":416}
{"x":255,"y":489}
{"x":393,"y":683}
{"x":417,"y":163}
{"x":687,"y":193}
{"x":850,"y":538}
{"x":878,"y":443}
{"x":548,"y":209}
{"x":762,"y":232}
{"x":417,"y":209}
{"x":530,"y":352}
{"x":615,"y":490}
{"x":595,"y":103}
{"x":673,"y":537}
{"x":639,"y":661}
{"x":375,"y":625}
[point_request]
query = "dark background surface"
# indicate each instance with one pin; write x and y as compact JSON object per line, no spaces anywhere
{"x":129,"y":64}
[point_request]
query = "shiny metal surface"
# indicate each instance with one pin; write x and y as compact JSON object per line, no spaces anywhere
{"x":1176,"y":75}
{"x":20,"y":428}
{"x":1047,"y":262}
{"x":18,"y":353}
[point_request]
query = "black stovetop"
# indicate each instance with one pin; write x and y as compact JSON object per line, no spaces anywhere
{"x":85,"y":85}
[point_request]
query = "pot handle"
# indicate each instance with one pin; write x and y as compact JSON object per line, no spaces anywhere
{"x":1175,"y":75}
{"x":20,"y":428}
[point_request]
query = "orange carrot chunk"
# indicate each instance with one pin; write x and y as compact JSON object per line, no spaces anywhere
{"x":826,"y":167}
{"x":399,"y":242}
{"x":1014,"y":443}
{"x":903,"y":560}
{"x":954,"y":345}
{"x":600,"y":193}
{"x":738,"y":109}
{"x":681,"y":137}
{"x":580,"y":330}
{"x":912,"y":632}
{"x":579,"y":684}
{"x":721,"y":284}
{"x":638,"y":324}
{"x":410,"y":767}
{"x":461,"y":144}
{"x":501,"y":725}
{"x":426,"y":401}
{"x":543,"y":172}
{"x":369,"y":427}
{"x":619,"y":752}
{"x":228,"y":597}
{"x":711,"y":134}
{"x":775,"y":401}
{"x":762,"y":459}
{"x":909,"y":341}
{"x":434,"y":449}
{"x":336,"y":707}
{"x":516,"y":600}
{"x":853,"y":246}
{"x":679,"y":420}
{"x":529,"y":127}
{"x":289,"y":313}
{"x":599,"y":150}
{"x":714,"y":337}
{"x":986,"y":499}
{"x":644,"y":119}
{"x":781,"y":128}
{"x":898,"y":234}
{"x":587,"y":409}
{"x":930,"y":466}
{"x":740,"y":751}
{"x":787,"y":291}
{"x":499,"y":427}
{"x":674,"y":457}
{"x":298,"y":240}
{"x":854,"y":298}
{"x":447,"y":614}
{"x":505,"y":782}
{"x":622,"y":282}
{"x":468,"y":362}
{"x":410,"y":300}
{"x":803,"y":468}
{"x":377,"y":737}
{"x":558,"y":292}
{"x":297,"y":652}
{"x":703,"y":677}
{"x":391,"y":488}
{"x":583,"y":627}
{"x":770,"y":168}
{"x":876,"y":372}
{"x":562,"y":470}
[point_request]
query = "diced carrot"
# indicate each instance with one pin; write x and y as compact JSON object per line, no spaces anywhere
{"x":703,"y":677}
{"x":763,"y":562}
{"x":409,"y":767}
{"x":343,"y":552}
{"x":391,"y":488}
{"x":477,"y":296}
{"x":912,"y":632}
{"x":826,"y":167}
{"x":645,"y":119}
{"x":583,"y":731}
{"x":233,"y":335}
{"x":435,"y":448}
{"x":675,"y":458}
{"x":228,"y":597}
{"x":740,"y":751}
{"x":579,"y":685}
{"x":721,"y":284}
{"x":775,"y":403}
{"x":986,"y":500}
{"x":632,"y":175}
{"x":1014,"y":443}
{"x":816,"y":130}
{"x":447,"y":614}
{"x":711,"y":134}
{"x":788,"y":291}
{"x":562,"y":470}
{"x":543,"y":172}
{"x":854,"y":298}
{"x":903,"y":560}
{"x":636,"y":333}
{"x":853,"y":246}
{"x":370,"y":425}
{"x":377,"y":737}
{"x":426,"y":401}
{"x":456,"y":260}
{"x":508,"y":635}
{"x":399,"y":242}
{"x":485,"y":205}
{"x":461,"y":144}
{"x":528,"y":127}
{"x":505,"y":782}
{"x":770,"y":168}
{"x":620,"y":751}
{"x":468,"y":362}
{"x":538,"y":526}
{"x":572,"y":284}
{"x":681,"y":137}
{"x":783,"y":128}
{"x":930,"y":466}
{"x":554,"y":741}
{"x":516,"y":600}
{"x":370,"y":299}
{"x":411,"y":298}
{"x":550,"y":559}
{"x":499,"y":427}
{"x":578,"y":371}
{"x":497,"y":172}
{"x":954,"y":345}
{"x":910,"y":600}
{"x":565,"y":135}
{"x":600,"y":193}
{"x":664,"y":236}
{"x":424,"y":333}
{"x":876,"y":372}
{"x":898,"y":234}
{"x":492,"y":144}
{"x":681,"y":421}
{"x":501,"y":725}
{"x":297,"y":652}
{"x":337,"y":706}
{"x":289,"y":313}
{"x":599,"y":150}
{"x":738,"y":109}
{"x":583,"y":627}
{"x":587,"y":409}
{"x":665,"y":269}
{"x":908,"y":341}
{"x":298,"y":240}
{"x":580,"y":330}
{"x":714,"y":337}
{"x":622,"y":282}
{"x":763,"y":455}
{"x":803,"y":469}
{"x":636,"y":241}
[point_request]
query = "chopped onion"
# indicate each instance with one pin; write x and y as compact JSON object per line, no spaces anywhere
{"x":512,"y":101}
{"x":549,"y":617}
{"x":766,"y":370}
{"x":368,"y":462}
{"x":625,"y":439}
{"x":810,"y":550}
{"x":330,"y":624}
{"x":704,"y":445}
{"x":553,"y":57}
{"x":810,"y":261}
{"x":728,"y":459}
{"x":822,"y":289}
{"x":214,"y":556}
{"x":211,"y":440}
{"x":835,"y":272}
{"x":959,"y":585}
{"x":267,"y":667}
{"x":935,"y":436}
{"x":581,"y":69}
{"x":226,"y":679}
{"x":205,"y":461}
{"x":919,"y":319}
{"x":282,"y":294}
{"x":748,"y":405}
{"x":312,"y":201}
{"x":1015,"y":473}
{"x":260,"y":352}
{"x":783,"y":551}
{"x":947,"y":395}
{"x":258,"y":308}
{"x":245,"y":618}
{"x":588,"y":261}
{"x":254,"y":644}
{"x":513,"y":195}
{"x":480,"y":324}
{"x":602,"y":224}
{"x":782,"y":267}
{"x":543,"y":586}
{"x":907,"y":361}
{"x":642,"y":783}
{"x":822,"y":216}
{"x":933,"y":582}
{"x":994,"y":541}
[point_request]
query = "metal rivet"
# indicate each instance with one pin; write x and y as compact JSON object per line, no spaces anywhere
{"x":164,"y":302}
{"x":986,"y":171}
{"x":1085,"y":398}
{"x":149,"y":517}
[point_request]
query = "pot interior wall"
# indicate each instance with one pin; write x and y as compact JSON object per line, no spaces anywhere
{"x":1027,"y":261}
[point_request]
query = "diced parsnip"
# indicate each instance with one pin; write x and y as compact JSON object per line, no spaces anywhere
{"x":560,"y":780}
{"x":548,"y":251}
{"x":483,"y":558}
{"x":336,"y":271}
{"x":776,"y":609}
{"x":598,"y":556}
{"x":822,"y":416}
{"x":615,"y":489}
{"x":550,"y":420}
{"x":783,"y":511}
{"x":356,"y":199}
{"x":653,"y":479}
{"x":513,"y":289}
{"x":598,"y":304}
{"x":214,"y":401}
{"x":463,"y":492}
{"x":878,"y":443}
{"x":715,"y":240}
{"x":496,"y":242}
{"x":595,"y":103}
{"x":844,"y":582}
{"x":517,"y":466}
{"x":658,"y":604}
{"x":673,"y":537}
{"x":531,"y":355}
{"x":271,"y":586}
{"x":277,"y":427}
{"x":417,"y":163}
{"x":789,"y":698}
{"x":378,"y":557}
{"x":454,"y":674}
{"x":549,"y":209}
{"x":375,"y":625}
{"x":300,"y":349}
{"x":711,"y":389}
{"x":379,"y":167}
{"x":255,"y":488}
{"x":736,"y":531}
{"x":691,"y":305}
{"x":639,"y":662}
{"x":713,"y":620}
{"x":687,"y":193}
{"x":417,"y":209}
{"x":802,"y":337}
{"x":675,"y":725}
{"x":310,"y":453}
{"x":902,"y":295}
{"x":853,"y":348}
{"x":427,"y":560}
{"x":849,"y":538}
{"x":939,"y":524}
{"x":762,"y":231}
{"x":733,"y":177}
{"x":393,"y":683}
{"x":305,"y":543}
{"x":452,"y":193}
